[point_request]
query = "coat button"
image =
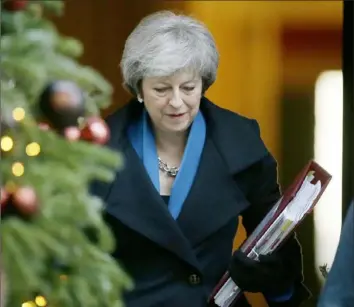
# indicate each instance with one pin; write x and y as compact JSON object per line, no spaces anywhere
{"x":194,"y":279}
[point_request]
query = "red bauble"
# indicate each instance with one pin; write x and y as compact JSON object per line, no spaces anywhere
{"x":95,"y":130}
{"x":72,"y":133}
{"x":62,"y":104}
{"x":25,"y":200}
{"x":14,"y":5}
{"x":4,"y":197}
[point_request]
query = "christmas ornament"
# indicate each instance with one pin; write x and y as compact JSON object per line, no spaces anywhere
{"x":72,"y":133}
{"x":22,"y":203}
{"x":4,"y":197}
{"x":62,"y":103}
{"x":14,"y":5}
{"x":95,"y":130}
{"x":25,"y":200}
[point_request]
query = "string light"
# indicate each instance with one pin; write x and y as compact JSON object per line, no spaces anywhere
{"x":18,"y":114}
{"x":33,"y":149}
{"x":41,"y":301}
{"x":63,"y":277}
{"x":10,"y":187}
{"x":18,"y":169}
{"x":6,"y":143}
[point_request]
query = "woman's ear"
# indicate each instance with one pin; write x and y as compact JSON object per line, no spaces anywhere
{"x":140,"y":90}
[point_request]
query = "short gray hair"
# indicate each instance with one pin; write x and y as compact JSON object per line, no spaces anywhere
{"x":164,"y":43}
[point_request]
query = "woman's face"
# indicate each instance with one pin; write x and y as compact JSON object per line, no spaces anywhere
{"x":172,"y":102}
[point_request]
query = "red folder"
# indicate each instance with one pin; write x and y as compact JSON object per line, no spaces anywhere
{"x":319,"y":174}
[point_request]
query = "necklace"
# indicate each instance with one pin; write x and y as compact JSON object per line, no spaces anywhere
{"x":170,"y":171}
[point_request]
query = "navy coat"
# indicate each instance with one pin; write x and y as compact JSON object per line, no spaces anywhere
{"x":176,"y":263}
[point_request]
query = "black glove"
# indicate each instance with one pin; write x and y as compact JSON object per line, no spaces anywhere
{"x":273,"y":275}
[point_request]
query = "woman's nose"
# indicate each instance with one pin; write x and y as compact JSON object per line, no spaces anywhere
{"x":176,"y":100}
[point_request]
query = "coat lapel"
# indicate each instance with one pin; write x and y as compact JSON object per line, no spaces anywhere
{"x":214,"y":199}
{"x":135,"y":202}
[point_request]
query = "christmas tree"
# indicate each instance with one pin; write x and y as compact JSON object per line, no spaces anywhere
{"x":55,"y":245}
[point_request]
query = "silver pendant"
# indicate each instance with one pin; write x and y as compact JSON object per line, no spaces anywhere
{"x":170,"y":171}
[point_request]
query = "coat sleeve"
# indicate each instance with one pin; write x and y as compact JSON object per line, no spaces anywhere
{"x":263,"y":193}
{"x":338,"y":289}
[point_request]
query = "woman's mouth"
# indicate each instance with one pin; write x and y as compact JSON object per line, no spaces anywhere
{"x":178,"y":115}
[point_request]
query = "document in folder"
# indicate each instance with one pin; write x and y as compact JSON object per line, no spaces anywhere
{"x":296,"y":203}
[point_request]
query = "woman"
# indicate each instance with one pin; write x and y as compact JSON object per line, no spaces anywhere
{"x":191,"y":168}
{"x":339,"y":287}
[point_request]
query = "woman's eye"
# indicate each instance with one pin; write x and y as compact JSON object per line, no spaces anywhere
{"x":188,"y":88}
{"x":160,"y":90}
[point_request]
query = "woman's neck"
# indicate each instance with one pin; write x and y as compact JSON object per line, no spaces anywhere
{"x":170,"y":146}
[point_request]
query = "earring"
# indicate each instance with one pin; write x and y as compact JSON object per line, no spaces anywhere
{"x":140,"y":99}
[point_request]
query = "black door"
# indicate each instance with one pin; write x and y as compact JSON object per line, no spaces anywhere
{"x":348,"y":107}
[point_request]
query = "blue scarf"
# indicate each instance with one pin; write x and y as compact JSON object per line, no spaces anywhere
{"x":142,"y":138}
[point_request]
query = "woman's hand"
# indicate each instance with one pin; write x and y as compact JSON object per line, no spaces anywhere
{"x":273,"y":275}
